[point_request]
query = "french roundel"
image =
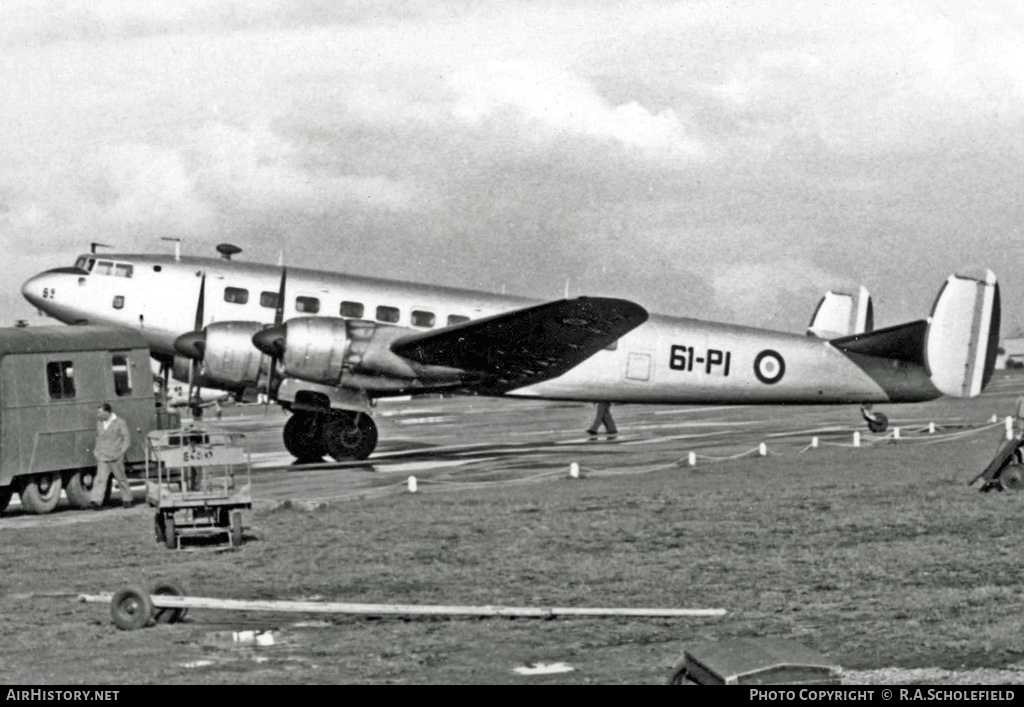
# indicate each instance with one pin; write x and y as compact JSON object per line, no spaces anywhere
{"x":769,"y":366}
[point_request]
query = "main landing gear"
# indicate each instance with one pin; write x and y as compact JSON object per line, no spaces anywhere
{"x":342,"y":434}
{"x":877,"y":422}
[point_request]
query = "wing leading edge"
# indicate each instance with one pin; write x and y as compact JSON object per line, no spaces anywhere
{"x":527,"y":346}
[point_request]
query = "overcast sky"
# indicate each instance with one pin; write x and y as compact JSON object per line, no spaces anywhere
{"x":721,"y":160}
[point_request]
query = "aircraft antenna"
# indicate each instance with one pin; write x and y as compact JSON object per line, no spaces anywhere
{"x":177,"y":246}
{"x":94,"y":245}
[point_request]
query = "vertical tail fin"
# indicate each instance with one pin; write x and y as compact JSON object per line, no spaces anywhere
{"x":840,"y":314}
{"x":963,"y":335}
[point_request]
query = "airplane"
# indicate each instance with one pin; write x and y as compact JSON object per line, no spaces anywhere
{"x":326,"y":345}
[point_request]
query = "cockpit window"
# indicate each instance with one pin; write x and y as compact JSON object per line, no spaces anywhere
{"x":80,"y":263}
{"x":89,"y":265}
{"x":103,"y":267}
{"x":123,"y":269}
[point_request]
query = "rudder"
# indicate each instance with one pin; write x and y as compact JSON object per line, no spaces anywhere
{"x":963,"y":334}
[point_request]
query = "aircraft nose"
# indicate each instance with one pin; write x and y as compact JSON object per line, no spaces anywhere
{"x":33,"y":288}
{"x":191,"y":345}
{"x":271,"y":340}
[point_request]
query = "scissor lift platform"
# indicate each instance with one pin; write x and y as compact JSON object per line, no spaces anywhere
{"x":199,"y":480}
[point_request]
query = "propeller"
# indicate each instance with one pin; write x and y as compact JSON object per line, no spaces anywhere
{"x":193,"y":344}
{"x":271,"y":340}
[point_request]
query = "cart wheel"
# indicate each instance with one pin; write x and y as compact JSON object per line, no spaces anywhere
{"x":1012,"y":477}
{"x":236,"y":528}
{"x":170,"y":533}
{"x":172,"y":589}
{"x":131,"y":608}
{"x":158,"y":526}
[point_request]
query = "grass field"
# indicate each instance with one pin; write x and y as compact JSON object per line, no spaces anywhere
{"x":878,"y":557}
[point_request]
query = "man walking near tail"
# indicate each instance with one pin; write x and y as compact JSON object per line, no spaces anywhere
{"x":603,"y":417}
{"x":112,"y":442}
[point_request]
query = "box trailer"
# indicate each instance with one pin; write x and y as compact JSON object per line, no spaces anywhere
{"x":52,"y":381}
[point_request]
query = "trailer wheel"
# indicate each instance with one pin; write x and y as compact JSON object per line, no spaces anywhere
{"x":79,"y":488}
{"x":170,"y":532}
{"x":41,"y":492}
{"x":236,"y":528}
{"x":5,"y":496}
{"x":131,"y":608}
{"x":1012,"y":477}
{"x":172,"y":589}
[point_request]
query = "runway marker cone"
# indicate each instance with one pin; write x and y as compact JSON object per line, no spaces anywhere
{"x":692,"y":458}
{"x":763,"y":449}
{"x":814,"y":442}
{"x":412,"y":484}
{"x":856,"y":439}
{"x":574,"y":470}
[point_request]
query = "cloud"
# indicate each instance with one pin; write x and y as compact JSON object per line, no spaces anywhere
{"x":561,"y":104}
{"x":766,"y":294}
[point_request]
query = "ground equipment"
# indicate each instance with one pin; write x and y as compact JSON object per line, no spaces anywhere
{"x":1005,"y":472}
{"x":199,"y":480}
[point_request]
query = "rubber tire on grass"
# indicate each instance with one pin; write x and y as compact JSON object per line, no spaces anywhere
{"x":79,"y":488}
{"x":236,"y":528}
{"x":131,"y":608}
{"x":5,"y":496}
{"x":1012,"y":477}
{"x":173,"y":589}
{"x":170,"y":533}
{"x":41,"y":492}
{"x":879,"y":424}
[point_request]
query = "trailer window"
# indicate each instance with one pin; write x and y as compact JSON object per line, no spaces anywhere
{"x":236,"y":295}
{"x":60,"y":377}
{"x":352,"y":309}
{"x":122,"y":374}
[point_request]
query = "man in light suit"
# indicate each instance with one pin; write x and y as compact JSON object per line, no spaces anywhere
{"x":112,"y":442}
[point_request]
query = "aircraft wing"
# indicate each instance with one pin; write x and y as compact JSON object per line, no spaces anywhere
{"x":526,"y":346}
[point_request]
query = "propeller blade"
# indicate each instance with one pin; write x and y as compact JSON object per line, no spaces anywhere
{"x":276,"y":350}
{"x":195,"y":344}
{"x":202,"y":303}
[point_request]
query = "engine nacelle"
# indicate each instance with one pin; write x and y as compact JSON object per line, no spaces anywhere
{"x":229,"y":358}
{"x":334,"y":351}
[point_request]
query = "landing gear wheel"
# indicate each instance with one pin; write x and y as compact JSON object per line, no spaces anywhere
{"x":1012,"y":477}
{"x":302,"y":435}
{"x":236,"y":528}
{"x":41,"y":493}
{"x":79,"y":488}
{"x":879,"y":424}
{"x":5,"y":496}
{"x":171,"y":589}
{"x":350,"y":435}
{"x":131,"y":608}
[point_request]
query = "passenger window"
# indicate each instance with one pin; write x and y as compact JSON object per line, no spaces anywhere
{"x":103,"y":267}
{"x":236,"y":295}
{"x":123,"y":269}
{"x":268,"y":300}
{"x":60,"y":378}
{"x":387,"y":314}
{"x":352,"y":309}
{"x":456,"y":319}
{"x":119,"y":302}
{"x":309,"y":305}
{"x":421,"y":318}
{"x":122,"y":375}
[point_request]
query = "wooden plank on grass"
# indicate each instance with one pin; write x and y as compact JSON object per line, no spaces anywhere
{"x":164,"y":601}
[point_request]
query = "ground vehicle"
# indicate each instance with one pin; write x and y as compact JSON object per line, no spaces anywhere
{"x":52,"y":380}
{"x":199,"y":481}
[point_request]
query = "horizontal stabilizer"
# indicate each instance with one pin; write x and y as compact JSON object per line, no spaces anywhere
{"x":904,"y":342}
{"x":963,"y":335}
{"x":526,"y":346}
{"x":841,"y":314}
